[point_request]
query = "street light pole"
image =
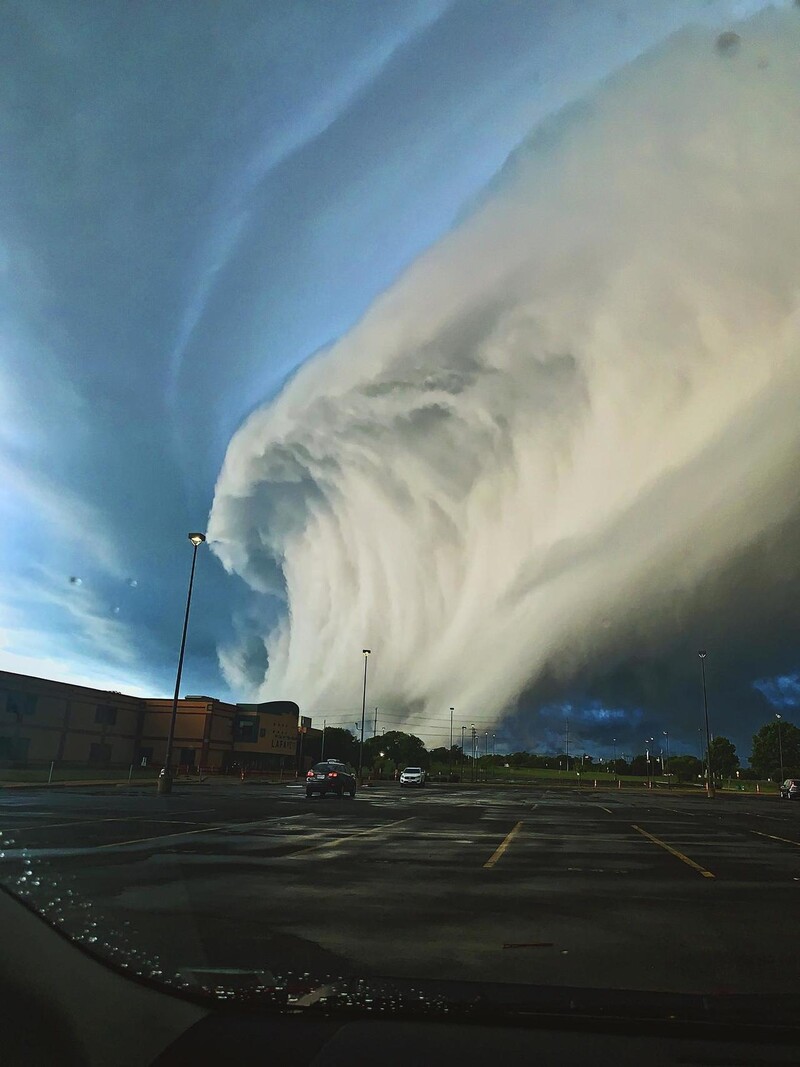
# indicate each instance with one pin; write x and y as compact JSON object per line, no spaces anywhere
{"x":614,"y":743}
{"x":366,"y":653}
{"x":710,"y":783}
{"x":165,"y":778}
{"x":780,"y":744}
{"x":474,"y":743}
{"x":463,"y":745}
{"x":450,"y":761}
{"x":647,"y":743}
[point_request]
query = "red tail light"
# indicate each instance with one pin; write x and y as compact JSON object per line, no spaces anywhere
{"x":310,"y":774}
{"x":333,"y":774}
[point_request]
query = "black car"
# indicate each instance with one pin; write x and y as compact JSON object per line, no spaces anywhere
{"x":790,"y":790}
{"x":330,"y":777}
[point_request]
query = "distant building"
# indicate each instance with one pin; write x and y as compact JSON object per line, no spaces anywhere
{"x":42,"y":720}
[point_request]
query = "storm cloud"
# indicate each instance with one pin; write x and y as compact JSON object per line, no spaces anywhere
{"x":569,"y":423}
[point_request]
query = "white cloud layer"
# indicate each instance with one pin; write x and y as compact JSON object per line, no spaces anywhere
{"x":571,"y":409}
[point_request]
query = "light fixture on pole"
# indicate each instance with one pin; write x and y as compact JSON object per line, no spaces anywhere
{"x":165,"y":777}
{"x":648,"y":742}
{"x":778,"y":716}
{"x":710,"y":780}
{"x":366,"y":654}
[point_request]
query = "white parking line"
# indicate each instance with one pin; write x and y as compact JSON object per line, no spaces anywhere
{"x":358,"y":833}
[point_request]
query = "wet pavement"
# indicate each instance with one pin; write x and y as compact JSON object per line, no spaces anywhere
{"x":541,"y":885}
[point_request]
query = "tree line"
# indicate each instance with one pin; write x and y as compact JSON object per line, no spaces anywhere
{"x":775,"y":748}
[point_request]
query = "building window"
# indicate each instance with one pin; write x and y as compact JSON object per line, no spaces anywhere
{"x":14,"y":749}
{"x":245,"y":728}
{"x":99,"y":753}
{"x":18,"y":703}
{"x":105,"y":714}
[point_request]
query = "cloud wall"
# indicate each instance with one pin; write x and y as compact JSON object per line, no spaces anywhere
{"x":568,"y":412}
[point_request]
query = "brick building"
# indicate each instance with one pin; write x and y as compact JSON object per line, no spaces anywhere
{"x":42,"y":720}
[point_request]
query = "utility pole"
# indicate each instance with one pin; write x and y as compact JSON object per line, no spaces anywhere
{"x":710,"y":784}
{"x":463,"y":743}
{"x":322,"y":753}
{"x":566,"y":743}
{"x":375,"y":727}
{"x":450,"y":760}
{"x":365,"y":652}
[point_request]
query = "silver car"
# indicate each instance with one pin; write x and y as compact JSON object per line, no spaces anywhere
{"x":413,"y":776}
{"x":790,"y":790}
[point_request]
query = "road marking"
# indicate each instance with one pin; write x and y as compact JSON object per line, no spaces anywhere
{"x":160,"y":837}
{"x":93,"y":822}
{"x":679,"y":812}
{"x":503,"y":846}
{"x":76,"y":820}
{"x":610,"y":812}
{"x":674,"y":851}
{"x":358,"y":833}
{"x":774,"y":838}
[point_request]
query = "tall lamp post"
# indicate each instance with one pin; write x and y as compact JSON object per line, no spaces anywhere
{"x":366,"y":654}
{"x":778,"y":716}
{"x":450,"y":761}
{"x":614,"y":743}
{"x":165,"y":777}
{"x":463,"y":745}
{"x":474,"y":746}
{"x":648,"y":742}
{"x":710,"y":781}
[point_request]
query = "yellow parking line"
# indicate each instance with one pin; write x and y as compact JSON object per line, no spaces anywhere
{"x":774,"y":838}
{"x":503,"y":846}
{"x":349,"y":837}
{"x":674,"y":851}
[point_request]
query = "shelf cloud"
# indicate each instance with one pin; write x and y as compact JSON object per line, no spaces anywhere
{"x":569,"y":419}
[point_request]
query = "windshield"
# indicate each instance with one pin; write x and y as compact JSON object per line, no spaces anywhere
{"x":400,"y":514}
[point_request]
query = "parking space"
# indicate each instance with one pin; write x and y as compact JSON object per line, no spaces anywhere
{"x":534,"y":885}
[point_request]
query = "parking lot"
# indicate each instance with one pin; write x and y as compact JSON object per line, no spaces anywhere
{"x":540,"y":885}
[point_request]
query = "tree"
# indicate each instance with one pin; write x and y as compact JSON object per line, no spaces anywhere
{"x":341,"y":745}
{"x":686,"y":768}
{"x":404,"y":750}
{"x":766,"y":757}
{"x":639,"y":766}
{"x":724,"y":760}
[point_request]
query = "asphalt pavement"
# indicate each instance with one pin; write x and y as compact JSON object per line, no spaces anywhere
{"x":542,"y":885}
